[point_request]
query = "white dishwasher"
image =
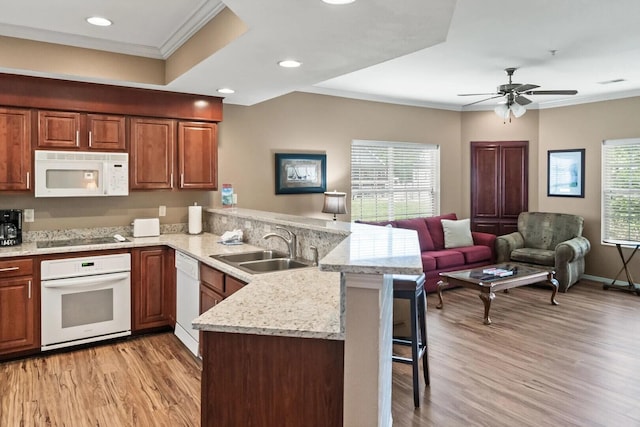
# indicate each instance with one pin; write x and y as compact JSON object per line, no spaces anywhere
{"x":187,"y":300}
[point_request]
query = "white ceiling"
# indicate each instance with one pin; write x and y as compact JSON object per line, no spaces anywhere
{"x":417,"y":52}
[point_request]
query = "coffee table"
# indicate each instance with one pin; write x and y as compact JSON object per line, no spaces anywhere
{"x":488,"y":284}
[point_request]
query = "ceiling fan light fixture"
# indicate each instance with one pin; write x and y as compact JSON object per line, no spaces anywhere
{"x":518,"y":110}
{"x":503,"y":111}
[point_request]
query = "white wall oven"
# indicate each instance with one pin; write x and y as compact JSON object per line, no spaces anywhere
{"x":85,"y":299}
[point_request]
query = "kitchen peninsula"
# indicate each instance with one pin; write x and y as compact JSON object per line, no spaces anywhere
{"x":365,"y":259}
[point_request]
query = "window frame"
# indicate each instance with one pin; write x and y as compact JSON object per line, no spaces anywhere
{"x":627,"y":193}
{"x":398,"y":189}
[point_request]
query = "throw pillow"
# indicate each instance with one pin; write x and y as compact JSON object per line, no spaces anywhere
{"x":457,"y":233}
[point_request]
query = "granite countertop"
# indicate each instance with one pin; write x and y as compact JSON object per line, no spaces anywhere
{"x":300,"y":303}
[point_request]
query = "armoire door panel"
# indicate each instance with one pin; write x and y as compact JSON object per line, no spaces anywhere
{"x":485,"y":185}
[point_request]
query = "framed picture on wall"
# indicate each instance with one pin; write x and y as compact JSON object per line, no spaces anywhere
{"x":301,"y":173}
{"x":565,"y":173}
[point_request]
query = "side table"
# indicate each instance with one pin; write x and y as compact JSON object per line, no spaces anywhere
{"x":632,"y":286}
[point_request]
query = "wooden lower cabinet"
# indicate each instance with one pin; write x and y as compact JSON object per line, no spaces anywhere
{"x":19,"y":307}
{"x":215,"y":286}
{"x":261,"y":380}
{"x":153,"y":288}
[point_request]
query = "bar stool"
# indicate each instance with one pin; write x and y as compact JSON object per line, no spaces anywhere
{"x":411,"y":287}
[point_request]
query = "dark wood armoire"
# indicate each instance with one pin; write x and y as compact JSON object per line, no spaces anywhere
{"x":499,"y":185}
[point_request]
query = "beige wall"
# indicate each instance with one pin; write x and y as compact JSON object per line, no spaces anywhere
{"x":300,"y":122}
{"x":586,"y":126}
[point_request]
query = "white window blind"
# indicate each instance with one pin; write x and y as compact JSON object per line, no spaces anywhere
{"x":394,"y":180}
{"x":620,"y":217}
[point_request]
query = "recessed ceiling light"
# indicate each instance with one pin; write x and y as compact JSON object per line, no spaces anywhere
{"x":226,"y":90}
{"x":338,"y":1}
{"x":100,"y":22}
{"x":289,"y":63}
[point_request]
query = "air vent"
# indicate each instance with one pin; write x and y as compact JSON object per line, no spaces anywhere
{"x":608,"y":82}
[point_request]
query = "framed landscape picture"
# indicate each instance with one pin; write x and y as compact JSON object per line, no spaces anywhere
{"x":565,"y":173}
{"x":301,"y":173}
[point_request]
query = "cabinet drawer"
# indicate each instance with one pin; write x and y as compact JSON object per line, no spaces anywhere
{"x":212,"y":277}
{"x":16,"y":267}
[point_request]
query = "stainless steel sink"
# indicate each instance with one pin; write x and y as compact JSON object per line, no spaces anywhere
{"x":267,"y":265}
{"x":261,"y":261}
{"x":249,"y":256}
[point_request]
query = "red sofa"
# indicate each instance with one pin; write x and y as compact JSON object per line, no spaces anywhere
{"x":436,"y":258}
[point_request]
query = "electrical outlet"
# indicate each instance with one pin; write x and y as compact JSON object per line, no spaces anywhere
{"x":162,"y":210}
{"x":267,"y":228}
{"x":247,"y":225}
{"x":224,"y":219}
{"x":28,"y":215}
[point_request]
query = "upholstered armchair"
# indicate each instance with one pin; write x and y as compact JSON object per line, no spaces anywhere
{"x":550,"y":240}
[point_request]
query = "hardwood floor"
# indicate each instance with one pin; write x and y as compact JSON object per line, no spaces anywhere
{"x":146,"y":381}
{"x":575,"y":364}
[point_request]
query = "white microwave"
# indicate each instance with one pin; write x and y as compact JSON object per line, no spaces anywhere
{"x":81,"y":174}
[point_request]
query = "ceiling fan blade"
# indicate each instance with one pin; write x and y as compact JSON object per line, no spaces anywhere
{"x":521,"y":100}
{"x":482,"y":100}
{"x":551,"y":92}
{"x":477,"y":94}
{"x":524,"y":88}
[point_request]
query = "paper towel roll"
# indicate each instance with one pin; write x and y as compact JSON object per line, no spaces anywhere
{"x":195,"y":219}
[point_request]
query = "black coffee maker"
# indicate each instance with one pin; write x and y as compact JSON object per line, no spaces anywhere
{"x":10,"y":227}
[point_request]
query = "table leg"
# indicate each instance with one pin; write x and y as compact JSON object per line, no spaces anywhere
{"x":554,"y":285}
{"x":631,"y":285}
{"x":486,"y":298}
{"x":441,"y":285}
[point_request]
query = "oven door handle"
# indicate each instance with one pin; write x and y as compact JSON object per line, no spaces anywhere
{"x":84,"y":281}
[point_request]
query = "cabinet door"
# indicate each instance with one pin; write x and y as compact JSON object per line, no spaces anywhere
{"x":15,"y":149}
{"x":18,"y":327}
{"x":106,"y":132}
{"x":152,"y":148}
{"x":57,"y":129}
{"x":209,"y":297}
{"x":198,"y":155}
{"x":153,"y":288}
{"x":232,"y":285}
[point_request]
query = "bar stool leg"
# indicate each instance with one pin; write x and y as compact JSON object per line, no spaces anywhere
{"x":424,"y":348}
{"x":415,"y":351}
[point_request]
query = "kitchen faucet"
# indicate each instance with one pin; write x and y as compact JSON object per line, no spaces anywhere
{"x":291,"y":241}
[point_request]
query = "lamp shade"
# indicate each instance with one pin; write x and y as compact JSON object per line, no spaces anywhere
{"x":335,"y":202}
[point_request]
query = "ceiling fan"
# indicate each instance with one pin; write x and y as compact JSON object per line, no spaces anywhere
{"x":515,"y":95}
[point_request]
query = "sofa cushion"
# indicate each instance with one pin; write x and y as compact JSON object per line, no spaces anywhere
{"x":418,"y":224}
{"x":534,"y":256}
{"x":428,"y":262}
{"x":380,"y":223}
{"x":476,"y":253}
{"x":457,"y":234}
{"x":447,"y":258}
{"x":434,"y":224}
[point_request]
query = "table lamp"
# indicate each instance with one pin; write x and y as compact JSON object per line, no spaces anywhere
{"x":335,"y":202}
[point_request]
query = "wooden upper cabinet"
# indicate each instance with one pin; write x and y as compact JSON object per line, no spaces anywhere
{"x":152,"y":146}
{"x":106,"y":133}
{"x":79,"y":131}
{"x":198,"y":155}
{"x":58,"y":129}
{"x":15,"y":149}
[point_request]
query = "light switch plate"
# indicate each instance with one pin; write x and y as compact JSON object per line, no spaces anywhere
{"x":28,"y":215}
{"x":162,"y":210}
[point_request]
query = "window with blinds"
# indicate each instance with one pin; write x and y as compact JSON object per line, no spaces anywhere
{"x":394,"y":180}
{"x":620,"y":219}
